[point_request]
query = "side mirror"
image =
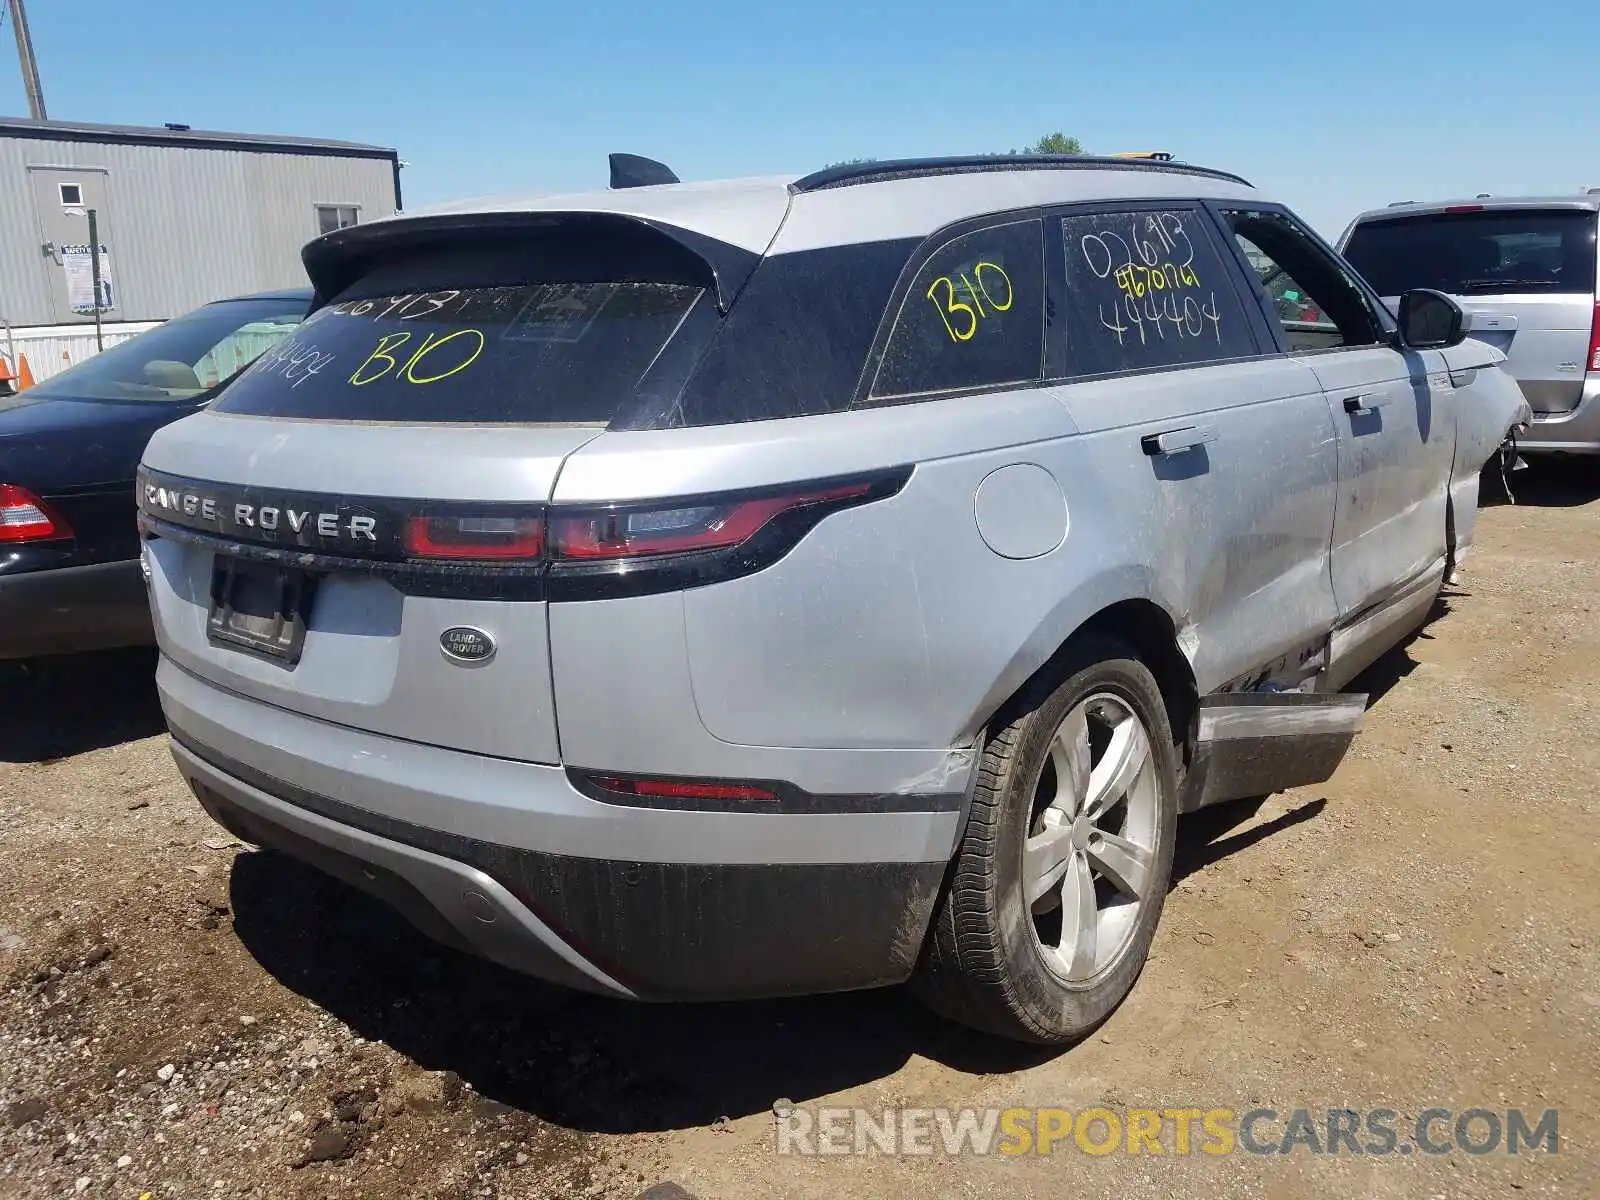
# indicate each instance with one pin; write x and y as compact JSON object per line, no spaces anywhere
{"x":1430,"y":320}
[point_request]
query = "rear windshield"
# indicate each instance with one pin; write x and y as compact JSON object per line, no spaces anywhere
{"x":565,"y":352}
{"x":1511,"y":250}
{"x":182,"y":360}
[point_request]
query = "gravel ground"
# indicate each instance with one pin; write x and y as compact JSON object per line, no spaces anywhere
{"x":182,"y":1017}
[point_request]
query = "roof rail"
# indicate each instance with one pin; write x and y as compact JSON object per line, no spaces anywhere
{"x":1400,"y":203}
{"x":849,"y":175}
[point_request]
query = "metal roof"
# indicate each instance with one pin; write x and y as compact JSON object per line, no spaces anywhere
{"x":198,"y":139}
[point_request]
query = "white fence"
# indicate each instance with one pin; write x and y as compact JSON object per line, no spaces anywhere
{"x":51,"y":349}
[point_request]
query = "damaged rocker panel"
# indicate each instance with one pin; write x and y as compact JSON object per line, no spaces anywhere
{"x":1255,"y":743}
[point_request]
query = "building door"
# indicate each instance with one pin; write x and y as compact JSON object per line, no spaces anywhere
{"x":62,"y":198}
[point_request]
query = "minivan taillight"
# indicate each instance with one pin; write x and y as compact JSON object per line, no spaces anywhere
{"x":26,"y":518}
{"x":1594,"y":341}
{"x":680,"y":528}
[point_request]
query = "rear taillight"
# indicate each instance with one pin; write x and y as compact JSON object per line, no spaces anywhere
{"x":1594,"y":341}
{"x":494,"y":548}
{"x":1463,"y":208}
{"x":26,"y":518}
{"x":681,"y":528}
{"x":496,"y":539}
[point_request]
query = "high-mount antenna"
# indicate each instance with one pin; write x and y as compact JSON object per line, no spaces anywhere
{"x":634,"y":170}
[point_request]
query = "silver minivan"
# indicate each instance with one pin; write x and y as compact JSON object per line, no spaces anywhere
{"x":1524,"y":269}
{"x":711,"y":590}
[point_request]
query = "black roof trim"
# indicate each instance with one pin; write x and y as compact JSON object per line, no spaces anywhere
{"x":919,"y":168}
{"x":194,"y":139}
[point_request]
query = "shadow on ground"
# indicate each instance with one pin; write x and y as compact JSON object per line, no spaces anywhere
{"x":578,"y":1061}
{"x":56,"y":707}
{"x":617,"y":1067}
{"x":1547,"y":482}
{"x":1206,"y":837}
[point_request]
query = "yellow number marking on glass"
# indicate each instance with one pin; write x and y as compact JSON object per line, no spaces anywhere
{"x":388,"y":342}
{"x":431,"y":343}
{"x":952,"y":305}
{"x":1011,"y":294}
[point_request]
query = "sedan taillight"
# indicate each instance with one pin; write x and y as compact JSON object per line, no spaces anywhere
{"x":24,"y":517}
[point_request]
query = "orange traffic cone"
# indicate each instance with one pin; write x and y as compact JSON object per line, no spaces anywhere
{"x":8,"y":377}
{"x":24,"y":375}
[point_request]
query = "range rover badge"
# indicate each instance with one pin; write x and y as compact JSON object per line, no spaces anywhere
{"x":465,"y":644}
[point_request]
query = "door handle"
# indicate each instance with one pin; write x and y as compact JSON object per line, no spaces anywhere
{"x":1176,"y":441}
{"x":1363,"y":403}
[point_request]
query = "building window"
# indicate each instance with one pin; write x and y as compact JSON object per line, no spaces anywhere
{"x":71,"y":195}
{"x":334,"y":216}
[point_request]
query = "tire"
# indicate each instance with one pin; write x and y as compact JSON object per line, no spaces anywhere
{"x":988,"y":962}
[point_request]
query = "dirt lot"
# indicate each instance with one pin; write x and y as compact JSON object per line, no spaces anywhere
{"x":183,"y":1019}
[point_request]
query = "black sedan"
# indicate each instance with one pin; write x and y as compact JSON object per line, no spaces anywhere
{"x":69,"y":447}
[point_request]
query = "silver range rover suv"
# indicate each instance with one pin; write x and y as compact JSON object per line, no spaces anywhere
{"x":701,"y":591}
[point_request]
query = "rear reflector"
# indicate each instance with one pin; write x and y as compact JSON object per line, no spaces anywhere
{"x":1594,"y":341}
{"x":683,"y":529}
{"x":672,"y":789}
{"x":26,"y":518}
{"x":480,"y":538}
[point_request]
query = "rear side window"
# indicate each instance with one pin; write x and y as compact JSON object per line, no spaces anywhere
{"x":1148,"y":289}
{"x":796,"y":340}
{"x":1509,"y":250}
{"x":533,"y":352}
{"x":972,"y":318}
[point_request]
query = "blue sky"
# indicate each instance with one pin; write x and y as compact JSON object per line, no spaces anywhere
{"x":1332,"y":106}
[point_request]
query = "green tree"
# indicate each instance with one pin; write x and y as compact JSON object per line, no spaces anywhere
{"x":1056,"y":143}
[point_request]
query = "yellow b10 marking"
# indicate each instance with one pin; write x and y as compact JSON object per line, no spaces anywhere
{"x":408,"y":372}
{"x":977,"y":291}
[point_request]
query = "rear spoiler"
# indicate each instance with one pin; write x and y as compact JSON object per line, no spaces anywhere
{"x":336,"y":260}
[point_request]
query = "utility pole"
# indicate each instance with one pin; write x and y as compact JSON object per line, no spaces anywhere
{"x":30,"y":65}
{"x":94,"y":269}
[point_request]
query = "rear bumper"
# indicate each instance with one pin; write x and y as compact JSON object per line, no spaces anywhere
{"x":1574,"y":432}
{"x":510,"y":862}
{"x":62,"y":610}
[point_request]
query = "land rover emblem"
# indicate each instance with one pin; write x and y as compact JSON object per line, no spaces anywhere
{"x":466,"y":644}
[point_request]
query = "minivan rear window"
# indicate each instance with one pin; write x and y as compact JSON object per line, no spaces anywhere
{"x":1506,"y":250}
{"x":555,"y":352}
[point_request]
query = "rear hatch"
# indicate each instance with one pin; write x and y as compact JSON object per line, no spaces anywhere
{"x":355,"y":530}
{"x":1525,"y":275}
